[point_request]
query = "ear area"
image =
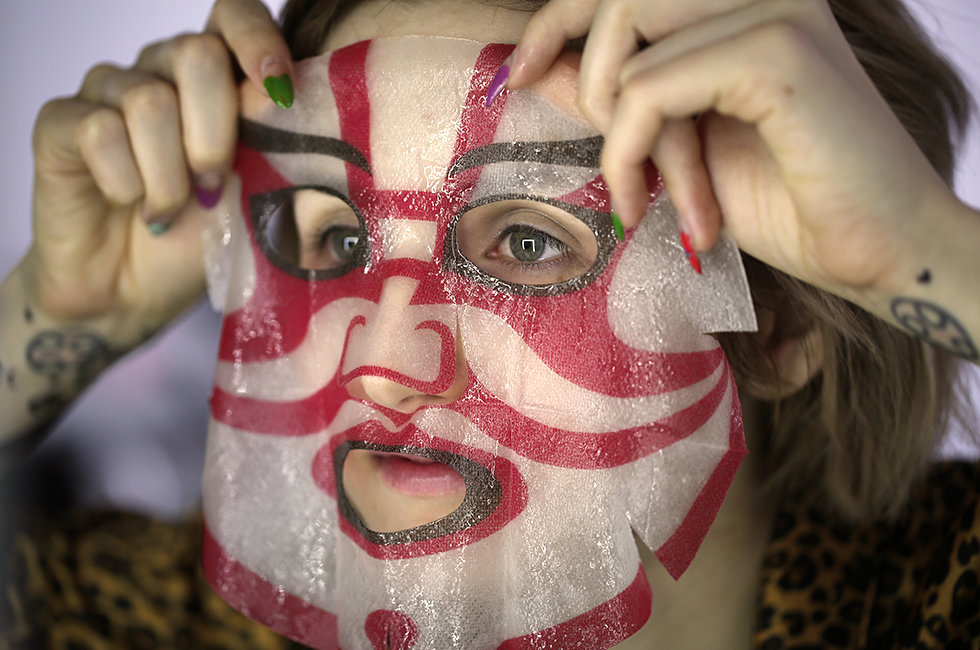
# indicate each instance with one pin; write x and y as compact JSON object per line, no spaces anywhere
{"x":793,"y":350}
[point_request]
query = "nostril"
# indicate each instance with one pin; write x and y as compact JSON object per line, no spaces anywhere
{"x":387,"y":393}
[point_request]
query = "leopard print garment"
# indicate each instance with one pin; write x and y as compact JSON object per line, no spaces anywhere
{"x":911,"y":584}
{"x":120,"y":581}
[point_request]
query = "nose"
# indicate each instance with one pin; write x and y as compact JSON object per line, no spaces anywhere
{"x":403,"y":356}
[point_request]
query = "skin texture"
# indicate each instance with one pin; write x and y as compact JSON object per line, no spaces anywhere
{"x":794,"y":153}
{"x":801,"y":183}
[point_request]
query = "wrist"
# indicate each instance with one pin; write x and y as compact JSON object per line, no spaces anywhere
{"x":931,"y":290}
{"x":45,"y":362}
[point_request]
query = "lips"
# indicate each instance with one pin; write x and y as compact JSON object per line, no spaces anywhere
{"x":413,"y":462}
{"x":417,"y":475}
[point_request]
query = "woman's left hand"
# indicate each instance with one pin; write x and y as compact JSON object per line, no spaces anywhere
{"x":758,"y":114}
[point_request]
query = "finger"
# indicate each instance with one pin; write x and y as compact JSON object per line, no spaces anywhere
{"x":200,"y":67}
{"x":545,"y":36}
{"x":738,"y":77}
{"x":74,"y":136}
{"x":254,"y":38}
{"x":812,"y":16}
{"x":677,"y":154}
{"x":150,"y":110}
{"x":612,"y":40}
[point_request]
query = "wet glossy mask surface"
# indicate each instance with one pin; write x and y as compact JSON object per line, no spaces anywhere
{"x":433,"y":287}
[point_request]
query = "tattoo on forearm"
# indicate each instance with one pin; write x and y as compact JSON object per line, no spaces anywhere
{"x":74,"y":355}
{"x":69,"y":359}
{"x":934,"y":325}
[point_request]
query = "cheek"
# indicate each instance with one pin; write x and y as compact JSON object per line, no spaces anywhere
{"x":750,"y":190}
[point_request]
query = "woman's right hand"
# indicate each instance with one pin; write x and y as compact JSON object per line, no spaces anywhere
{"x":126,"y":169}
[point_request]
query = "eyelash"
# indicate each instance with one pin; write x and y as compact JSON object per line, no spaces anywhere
{"x":500,"y":237}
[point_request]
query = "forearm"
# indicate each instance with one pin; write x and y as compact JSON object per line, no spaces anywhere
{"x":44,"y":365}
{"x":934,"y":293}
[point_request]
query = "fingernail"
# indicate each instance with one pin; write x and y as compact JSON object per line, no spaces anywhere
{"x":499,"y":81}
{"x":157,"y":228}
{"x":280,"y":90}
{"x":278,"y":84}
{"x":618,"y":226}
{"x":209,"y":189}
{"x":692,"y":255}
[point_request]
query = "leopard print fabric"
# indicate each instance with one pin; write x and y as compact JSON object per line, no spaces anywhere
{"x":120,"y":581}
{"x":910,"y":584}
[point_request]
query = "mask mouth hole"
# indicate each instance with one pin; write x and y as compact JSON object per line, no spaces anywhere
{"x":397,"y":494}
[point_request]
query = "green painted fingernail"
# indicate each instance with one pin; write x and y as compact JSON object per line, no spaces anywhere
{"x":280,"y":89}
{"x":157,"y":228}
{"x":618,"y":227}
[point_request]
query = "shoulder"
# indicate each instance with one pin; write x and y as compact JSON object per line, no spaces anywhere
{"x":112,"y":579}
{"x":914,"y":582}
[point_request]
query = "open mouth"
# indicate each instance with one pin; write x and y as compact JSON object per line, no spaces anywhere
{"x":447,"y":491}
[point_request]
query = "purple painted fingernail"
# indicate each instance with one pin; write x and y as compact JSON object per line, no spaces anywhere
{"x":497,"y":85}
{"x":209,"y":189}
{"x":208,"y":198}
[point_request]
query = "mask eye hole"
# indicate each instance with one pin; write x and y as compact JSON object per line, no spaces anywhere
{"x":309,"y":230}
{"x":529,"y":246}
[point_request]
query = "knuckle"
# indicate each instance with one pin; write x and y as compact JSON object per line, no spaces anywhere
{"x":782,"y":40}
{"x":150,"y":52}
{"x":151,"y":99}
{"x":167,"y":198}
{"x":97,"y":75}
{"x":100,"y":127}
{"x":50,"y":112}
{"x":199,"y":49}
{"x":49,"y":117}
{"x":589,"y":106}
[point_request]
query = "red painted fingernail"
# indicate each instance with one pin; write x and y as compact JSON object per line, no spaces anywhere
{"x":497,"y":85}
{"x":692,"y":255}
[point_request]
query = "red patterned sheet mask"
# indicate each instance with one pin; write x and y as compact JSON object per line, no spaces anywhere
{"x":425,"y":297}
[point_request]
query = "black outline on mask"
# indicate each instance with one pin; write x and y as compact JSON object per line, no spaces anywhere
{"x":567,"y":153}
{"x":269,"y":139}
{"x":599,"y":222}
{"x":260,"y":219}
{"x":483,"y":494}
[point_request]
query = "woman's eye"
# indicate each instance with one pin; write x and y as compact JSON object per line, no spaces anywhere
{"x":342,"y":241}
{"x":311,"y":230}
{"x":526,"y":242}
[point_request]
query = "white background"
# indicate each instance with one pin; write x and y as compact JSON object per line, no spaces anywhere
{"x":136,"y":441}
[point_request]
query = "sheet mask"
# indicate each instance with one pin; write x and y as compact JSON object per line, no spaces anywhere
{"x":374,"y":301}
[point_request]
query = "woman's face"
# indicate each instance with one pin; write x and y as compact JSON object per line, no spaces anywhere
{"x":441,"y":373}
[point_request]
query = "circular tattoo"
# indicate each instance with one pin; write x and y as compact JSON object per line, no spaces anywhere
{"x":934,"y":325}
{"x":53,"y":353}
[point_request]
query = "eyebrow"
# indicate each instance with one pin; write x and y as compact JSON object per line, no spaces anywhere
{"x":570,"y":153}
{"x":270,"y":139}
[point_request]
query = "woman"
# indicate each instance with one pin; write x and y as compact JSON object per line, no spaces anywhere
{"x":798,"y":180}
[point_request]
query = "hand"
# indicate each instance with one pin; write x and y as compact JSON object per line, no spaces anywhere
{"x":140,"y":151}
{"x":795,"y":149}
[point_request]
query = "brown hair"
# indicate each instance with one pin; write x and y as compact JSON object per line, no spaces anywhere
{"x":862,"y":432}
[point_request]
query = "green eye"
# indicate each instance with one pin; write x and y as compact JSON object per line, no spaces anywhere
{"x":527,"y":245}
{"x":342,"y":241}
{"x":527,"y":242}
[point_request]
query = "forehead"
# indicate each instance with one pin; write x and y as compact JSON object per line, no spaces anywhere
{"x":408,"y":104}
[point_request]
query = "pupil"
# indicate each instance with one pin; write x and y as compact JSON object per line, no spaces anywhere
{"x":527,"y":246}
{"x":344,"y":241}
